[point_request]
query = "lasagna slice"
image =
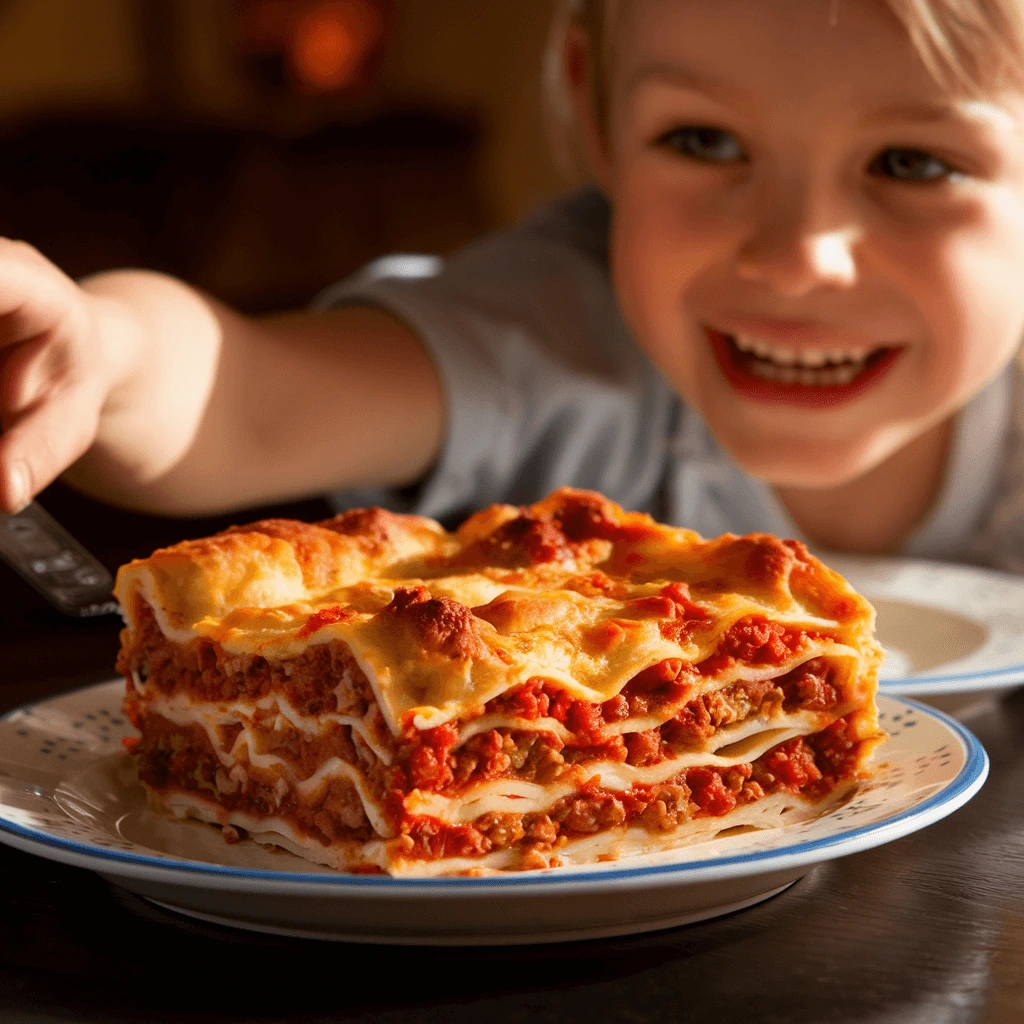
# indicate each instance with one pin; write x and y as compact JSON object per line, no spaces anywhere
{"x":557,"y":684}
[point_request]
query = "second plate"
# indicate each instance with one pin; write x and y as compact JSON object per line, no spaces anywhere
{"x":953,"y":631}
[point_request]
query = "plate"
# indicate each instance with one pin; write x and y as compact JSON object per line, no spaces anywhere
{"x":953,"y":634}
{"x":68,"y":792}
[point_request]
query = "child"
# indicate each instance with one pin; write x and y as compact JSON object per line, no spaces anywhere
{"x":792,"y":305}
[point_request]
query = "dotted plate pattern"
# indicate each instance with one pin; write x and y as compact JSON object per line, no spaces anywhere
{"x":69,"y":791}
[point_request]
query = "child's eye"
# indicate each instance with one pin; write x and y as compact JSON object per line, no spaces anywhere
{"x":700,"y":143}
{"x":914,"y":165}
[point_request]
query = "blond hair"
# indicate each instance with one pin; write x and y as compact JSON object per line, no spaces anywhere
{"x":967,"y":45}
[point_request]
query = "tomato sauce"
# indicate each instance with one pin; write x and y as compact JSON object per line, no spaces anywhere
{"x":756,"y":641}
{"x":809,"y":766}
{"x":324,"y":617}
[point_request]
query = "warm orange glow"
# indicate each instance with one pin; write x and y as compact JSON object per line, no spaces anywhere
{"x":330,"y":42}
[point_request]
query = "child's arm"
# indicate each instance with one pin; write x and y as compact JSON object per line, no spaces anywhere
{"x":161,"y":399}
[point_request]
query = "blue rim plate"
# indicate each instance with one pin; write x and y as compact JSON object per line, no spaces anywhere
{"x":947,"y":628}
{"x":66,"y":793}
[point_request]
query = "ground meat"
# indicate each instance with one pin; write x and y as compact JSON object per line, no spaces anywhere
{"x":589,"y":814}
{"x":662,"y":685}
{"x":644,"y":748}
{"x":428,"y":758}
{"x":616,"y":709}
{"x":810,"y":686}
{"x":542,"y":759}
{"x":325,"y":677}
{"x":228,"y":734}
{"x":305,"y":753}
{"x":835,"y":749}
{"x":734,"y":778}
{"x":501,"y":830}
{"x":340,"y":810}
{"x":755,"y":640}
{"x":427,"y":838}
{"x":709,"y":792}
{"x":180,"y":758}
{"x":522,"y":744}
{"x":432,"y":762}
{"x":751,"y":791}
{"x":540,"y":829}
{"x":700,"y":718}
{"x":668,"y":807}
{"x":691,"y":727}
{"x":790,"y":764}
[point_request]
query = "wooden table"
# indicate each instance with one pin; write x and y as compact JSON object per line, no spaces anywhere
{"x":929,"y":929}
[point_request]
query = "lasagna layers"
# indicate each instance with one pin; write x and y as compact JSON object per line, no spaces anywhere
{"x":557,"y":684}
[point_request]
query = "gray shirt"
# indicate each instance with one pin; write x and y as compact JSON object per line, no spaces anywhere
{"x":545,"y":386}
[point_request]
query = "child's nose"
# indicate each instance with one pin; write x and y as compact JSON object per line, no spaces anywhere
{"x":794,"y":257}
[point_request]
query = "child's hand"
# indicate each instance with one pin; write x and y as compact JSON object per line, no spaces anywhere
{"x":156,"y":397}
{"x":61,"y":358}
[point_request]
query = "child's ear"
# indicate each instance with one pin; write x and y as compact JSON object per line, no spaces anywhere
{"x":588,"y":91}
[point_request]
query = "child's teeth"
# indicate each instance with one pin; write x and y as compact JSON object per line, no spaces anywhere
{"x":820,"y":367}
{"x":785,"y":356}
{"x":810,"y":367}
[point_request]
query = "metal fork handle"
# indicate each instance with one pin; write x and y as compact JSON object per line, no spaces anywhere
{"x":44,"y":554}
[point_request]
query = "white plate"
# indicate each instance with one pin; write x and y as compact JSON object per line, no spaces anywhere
{"x":952,"y":631}
{"x":68,"y":792}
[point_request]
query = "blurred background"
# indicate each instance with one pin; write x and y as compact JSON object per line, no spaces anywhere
{"x":264,"y":148}
{"x":260,"y":149}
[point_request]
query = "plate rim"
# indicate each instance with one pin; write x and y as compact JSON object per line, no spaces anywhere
{"x":944,"y":685}
{"x":957,"y":792}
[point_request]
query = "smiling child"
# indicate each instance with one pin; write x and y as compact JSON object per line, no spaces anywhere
{"x":790,"y":302}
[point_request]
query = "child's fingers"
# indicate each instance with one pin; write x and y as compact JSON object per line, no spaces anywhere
{"x":37,"y":447}
{"x":27,"y":372}
{"x":35,"y":295}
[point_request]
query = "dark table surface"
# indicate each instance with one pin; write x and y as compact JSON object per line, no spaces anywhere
{"x":929,"y":928}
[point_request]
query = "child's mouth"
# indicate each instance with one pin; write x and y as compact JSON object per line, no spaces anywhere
{"x":798,"y":376}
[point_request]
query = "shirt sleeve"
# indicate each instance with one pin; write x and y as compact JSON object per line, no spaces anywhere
{"x":544,"y":386}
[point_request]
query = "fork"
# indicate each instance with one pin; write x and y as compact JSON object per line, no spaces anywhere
{"x":44,"y":554}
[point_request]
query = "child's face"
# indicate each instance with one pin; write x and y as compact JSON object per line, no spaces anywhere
{"x":821,"y":248}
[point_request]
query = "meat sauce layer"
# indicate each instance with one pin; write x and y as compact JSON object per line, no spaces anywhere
{"x":434,"y":761}
{"x":810,"y":767}
{"x":325,"y":678}
{"x":172,"y":758}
